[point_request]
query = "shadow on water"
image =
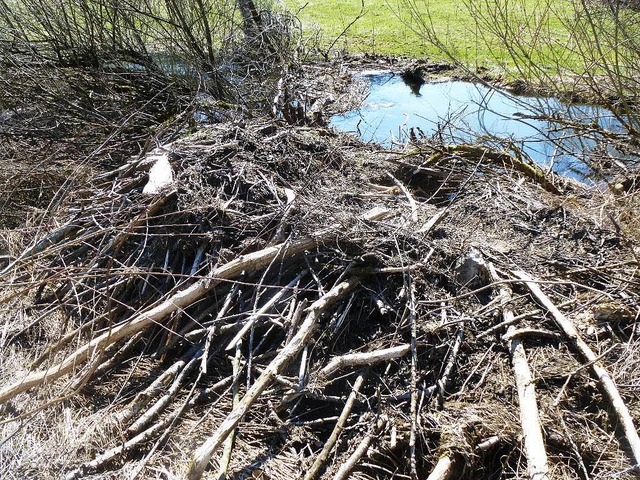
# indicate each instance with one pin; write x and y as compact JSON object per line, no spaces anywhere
{"x":458,"y":112}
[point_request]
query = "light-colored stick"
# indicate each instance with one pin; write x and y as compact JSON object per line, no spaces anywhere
{"x":407,"y":193}
{"x":264,"y":309}
{"x":608,"y":385}
{"x":365,"y":358}
{"x":337,"y":430}
{"x":228,"y":443}
{"x":413,"y":381}
{"x":203,"y":454}
{"x":534,"y":448}
{"x":443,"y":469}
{"x":346,"y":468}
{"x":433,"y":221}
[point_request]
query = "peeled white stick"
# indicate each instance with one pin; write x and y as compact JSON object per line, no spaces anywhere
{"x":203,"y":454}
{"x":365,"y":358}
{"x":160,"y":173}
{"x":534,"y":449}
{"x":608,"y":385}
{"x":443,"y":469}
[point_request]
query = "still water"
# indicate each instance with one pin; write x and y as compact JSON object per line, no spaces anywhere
{"x":457,"y":112}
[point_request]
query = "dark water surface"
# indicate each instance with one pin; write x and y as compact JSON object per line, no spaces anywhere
{"x":463,"y":111}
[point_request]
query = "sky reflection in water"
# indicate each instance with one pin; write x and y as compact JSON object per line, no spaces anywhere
{"x":465,"y":111}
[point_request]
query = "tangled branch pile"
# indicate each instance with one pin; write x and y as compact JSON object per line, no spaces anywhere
{"x":267,"y":301}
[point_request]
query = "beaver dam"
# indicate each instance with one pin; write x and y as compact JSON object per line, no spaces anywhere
{"x":267,"y":298}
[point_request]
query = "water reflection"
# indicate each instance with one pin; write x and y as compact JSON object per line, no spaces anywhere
{"x":457,"y":111}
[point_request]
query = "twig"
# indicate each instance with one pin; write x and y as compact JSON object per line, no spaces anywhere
{"x":444,"y":379}
{"x":264,"y":309}
{"x":531,"y":332}
{"x":535,"y":452}
{"x":433,"y":221}
{"x":165,"y":399}
{"x":322,"y":458}
{"x":407,"y":193}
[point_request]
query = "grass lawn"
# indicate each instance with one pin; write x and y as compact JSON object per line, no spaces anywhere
{"x":387,"y":28}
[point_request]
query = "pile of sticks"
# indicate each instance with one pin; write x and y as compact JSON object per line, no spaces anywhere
{"x":287,"y":304}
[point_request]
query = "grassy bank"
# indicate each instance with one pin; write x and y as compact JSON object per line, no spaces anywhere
{"x":391,"y":28}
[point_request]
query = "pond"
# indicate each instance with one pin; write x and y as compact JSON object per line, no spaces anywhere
{"x":458,"y":111}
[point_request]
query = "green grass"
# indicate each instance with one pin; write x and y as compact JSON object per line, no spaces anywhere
{"x":387,"y":28}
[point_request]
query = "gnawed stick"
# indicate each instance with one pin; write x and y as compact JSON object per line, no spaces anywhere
{"x":265,"y":309}
{"x":322,"y":458}
{"x":53,"y":238}
{"x":155,"y":410}
{"x":534,"y":448}
{"x":413,"y":381}
{"x":443,"y":381}
{"x":535,"y":452}
{"x":608,"y":385}
{"x":228,"y":443}
{"x":345,"y":470}
{"x":443,"y":470}
{"x":179,"y":300}
{"x":143,"y":398}
{"x":365,"y":358}
{"x":203,"y":454}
